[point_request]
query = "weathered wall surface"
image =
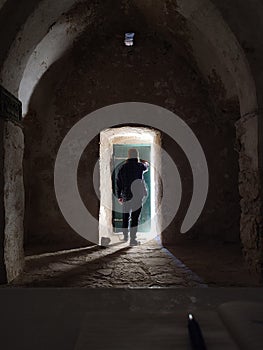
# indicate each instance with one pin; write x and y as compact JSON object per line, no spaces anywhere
{"x":203,"y":32}
{"x":10,"y":28}
{"x":13,"y":199}
{"x":2,"y":207}
{"x":100,"y":71}
{"x":246,"y":23}
{"x":249,"y":180}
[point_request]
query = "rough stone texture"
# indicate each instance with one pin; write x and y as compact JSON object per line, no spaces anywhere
{"x":30,"y":31}
{"x":146,"y":266}
{"x":19,"y":17}
{"x":13,"y":199}
{"x":250,"y":188}
{"x":246,"y":24}
{"x":53,"y":46}
{"x":180,"y":18}
{"x":100,"y":71}
{"x":2,"y":207}
{"x":201,"y":21}
{"x":195,"y":18}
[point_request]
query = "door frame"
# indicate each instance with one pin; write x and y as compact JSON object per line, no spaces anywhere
{"x":128,"y":135}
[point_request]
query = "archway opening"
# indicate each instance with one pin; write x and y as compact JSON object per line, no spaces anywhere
{"x":114,"y":146}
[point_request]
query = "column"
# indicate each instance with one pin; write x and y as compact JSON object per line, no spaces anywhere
{"x":11,"y":187}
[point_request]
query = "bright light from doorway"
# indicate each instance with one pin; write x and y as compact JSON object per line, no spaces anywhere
{"x":126,"y":136}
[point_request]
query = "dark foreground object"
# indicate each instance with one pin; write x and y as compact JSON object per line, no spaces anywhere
{"x":115,"y":318}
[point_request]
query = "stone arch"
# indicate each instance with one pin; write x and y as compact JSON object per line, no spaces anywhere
{"x":202,"y":16}
{"x":16,"y":74}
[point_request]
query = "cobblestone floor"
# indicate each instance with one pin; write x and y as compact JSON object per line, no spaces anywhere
{"x":146,"y":266}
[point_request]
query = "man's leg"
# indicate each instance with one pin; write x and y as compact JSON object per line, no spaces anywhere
{"x":125,"y":220}
{"x":135,"y":215}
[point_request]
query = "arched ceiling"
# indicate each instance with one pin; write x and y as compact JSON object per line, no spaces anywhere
{"x":43,"y":30}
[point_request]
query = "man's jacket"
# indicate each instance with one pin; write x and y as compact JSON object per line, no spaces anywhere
{"x":130,"y":171}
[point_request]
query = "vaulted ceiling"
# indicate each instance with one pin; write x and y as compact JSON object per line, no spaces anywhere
{"x":221,"y":37}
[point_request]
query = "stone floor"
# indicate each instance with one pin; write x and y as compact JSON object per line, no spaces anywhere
{"x":120,"y":266}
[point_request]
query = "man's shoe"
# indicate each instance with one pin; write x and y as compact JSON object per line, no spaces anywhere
{"x":134,"y":243}
{"x":125,"y":233}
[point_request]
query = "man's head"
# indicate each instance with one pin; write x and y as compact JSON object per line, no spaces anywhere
{"x":133,"y":153}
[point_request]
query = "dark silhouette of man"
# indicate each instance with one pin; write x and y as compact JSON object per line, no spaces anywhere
{"x":131,"y":190}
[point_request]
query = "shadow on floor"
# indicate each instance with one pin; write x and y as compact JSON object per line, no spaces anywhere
{"x":68,"y":268}
{"x":219,"y":264}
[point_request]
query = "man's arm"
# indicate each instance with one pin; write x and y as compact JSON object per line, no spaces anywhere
{"x":145,"y":164}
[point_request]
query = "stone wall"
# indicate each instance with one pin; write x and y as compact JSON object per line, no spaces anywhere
{"x":250,"y":191}
{"x":99,"y":71}
{"x":210,"y":38}
{"x":13,"y":199}
{"x":2,"y":208}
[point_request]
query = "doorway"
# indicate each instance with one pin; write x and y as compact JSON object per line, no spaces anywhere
{"x":114,"y":145}
{"x":120,"y":152}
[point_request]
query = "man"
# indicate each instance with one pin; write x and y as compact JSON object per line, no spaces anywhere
{"x":131,"y":190}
